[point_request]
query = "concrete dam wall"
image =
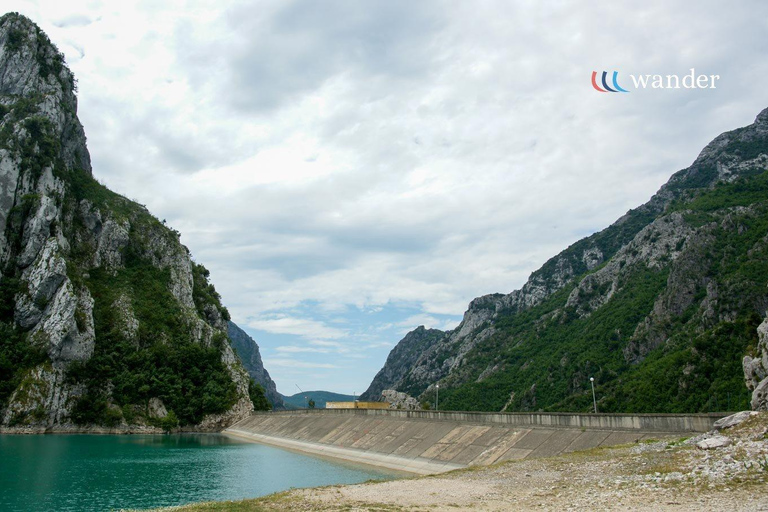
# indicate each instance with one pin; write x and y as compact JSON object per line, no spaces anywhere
{"x":425,"y":442}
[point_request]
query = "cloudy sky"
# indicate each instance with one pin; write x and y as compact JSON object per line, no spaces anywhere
{"x":349,"y":170}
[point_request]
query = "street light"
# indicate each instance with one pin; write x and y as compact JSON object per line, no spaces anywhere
{"x":592,"y":381}
{"x":437,"y":397}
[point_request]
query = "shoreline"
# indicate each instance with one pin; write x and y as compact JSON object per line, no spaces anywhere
{"x":416,"y":466}
{"x":98,"y":430}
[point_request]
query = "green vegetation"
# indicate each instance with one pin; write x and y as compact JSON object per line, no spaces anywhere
{"x":546,"y":354}
{"x":49,"y":58}
{"x":17,"y":356}
{"x":15,"y":40}
{"x":170,"y":422}
{"x":159,"y":359}
{"x":160,"y":362}
{"x":83,"y":186}
{"x":258,"y":397}
{"x":204,"y":293}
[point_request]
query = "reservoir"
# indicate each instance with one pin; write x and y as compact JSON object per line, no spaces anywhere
{"x":102,"y":472}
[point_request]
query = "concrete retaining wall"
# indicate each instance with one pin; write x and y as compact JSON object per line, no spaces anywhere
{"x":431,"y":442}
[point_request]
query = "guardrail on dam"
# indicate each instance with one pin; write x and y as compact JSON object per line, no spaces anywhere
{"x":426,"y":442}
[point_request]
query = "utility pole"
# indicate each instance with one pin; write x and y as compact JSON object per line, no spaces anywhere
{"x":594,"y":401}
{"x":306,"y":398}
{"x":437,"y":397}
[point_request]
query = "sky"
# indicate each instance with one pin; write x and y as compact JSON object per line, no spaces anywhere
{"x":350,"y":170}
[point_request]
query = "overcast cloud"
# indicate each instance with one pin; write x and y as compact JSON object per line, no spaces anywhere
{"x":349,"y":170}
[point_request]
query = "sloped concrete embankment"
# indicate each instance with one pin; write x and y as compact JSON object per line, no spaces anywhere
{"x":427,"y":442}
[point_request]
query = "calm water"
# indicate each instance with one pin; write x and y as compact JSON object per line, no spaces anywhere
{"x":89,"y":472}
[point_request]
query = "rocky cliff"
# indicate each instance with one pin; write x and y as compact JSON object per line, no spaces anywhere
{"x":104,"y":318}
{"x":248,"y":352}
{"x":399,"y":361}
{"x":659,"y":308}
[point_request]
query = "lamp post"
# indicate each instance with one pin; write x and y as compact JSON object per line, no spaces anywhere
{"x":594,"y":401}
{"x":437,"y":397}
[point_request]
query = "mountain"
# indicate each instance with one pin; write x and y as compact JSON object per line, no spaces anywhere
{"x":660,"y":307}
{"x":400,"y":359}
{"x":105,"y":320}
{"x":248,"y":352}
{"x":320,"y":397}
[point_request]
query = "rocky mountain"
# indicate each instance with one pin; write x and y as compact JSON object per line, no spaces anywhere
{"x":399,"y":361}
{"x":248,"y":352}
{"x":660,"y":307}
{"x":105,"y":320}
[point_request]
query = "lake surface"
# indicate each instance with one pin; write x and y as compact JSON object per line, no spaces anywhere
{"x":93,"y":472}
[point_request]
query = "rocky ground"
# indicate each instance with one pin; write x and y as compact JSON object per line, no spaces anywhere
{"x":686,"y":474}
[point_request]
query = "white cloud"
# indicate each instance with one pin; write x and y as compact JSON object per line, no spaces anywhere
{"x":323,"y":161}
{"x":297,"y":326}
{"x":293,"y":363}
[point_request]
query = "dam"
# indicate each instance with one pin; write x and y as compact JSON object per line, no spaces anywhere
{"x":429,"y":442}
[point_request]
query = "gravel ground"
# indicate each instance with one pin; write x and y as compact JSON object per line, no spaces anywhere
{"x":663,"y":475}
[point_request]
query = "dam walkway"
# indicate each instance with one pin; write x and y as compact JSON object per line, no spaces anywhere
{"x":428,"y":442}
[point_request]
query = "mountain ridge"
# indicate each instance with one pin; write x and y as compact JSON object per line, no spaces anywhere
{"x":247,"y":350}
{"x":659,"y":236}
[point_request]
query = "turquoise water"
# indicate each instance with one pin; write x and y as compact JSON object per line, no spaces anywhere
{"x":90,"y":472}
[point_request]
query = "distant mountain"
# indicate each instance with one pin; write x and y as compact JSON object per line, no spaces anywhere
{"x":320,"y":397}
{"x":660,"y":308}
{"x":248,"y":352}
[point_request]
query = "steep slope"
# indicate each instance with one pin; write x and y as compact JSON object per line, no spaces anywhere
{"x":104,"y":318}
{"x":660,"y":307}
{"x":248,"y":352}
{"x":399,"y":361}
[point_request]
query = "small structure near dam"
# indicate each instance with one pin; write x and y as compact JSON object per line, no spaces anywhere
{"x":426,"y":442}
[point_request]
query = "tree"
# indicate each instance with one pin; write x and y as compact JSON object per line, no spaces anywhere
{"x":311,"y":404}
{"x":258,"y":397}
{"x":170,"y":422}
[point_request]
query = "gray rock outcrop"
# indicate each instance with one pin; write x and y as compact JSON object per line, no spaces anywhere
{"x":756,"y":370}
{"x":399,"y":400}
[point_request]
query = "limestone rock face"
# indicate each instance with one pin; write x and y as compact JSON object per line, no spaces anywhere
{"x":756,"y":370}
{"x":156,"y":408}
{"x":714,"y":442}
{"x":733,"y":420}
{"x":398,"y":400}
{"x":82,"y":269}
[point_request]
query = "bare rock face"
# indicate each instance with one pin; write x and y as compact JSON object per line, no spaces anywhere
{"x":85,"y":272}
{"x":733,"y":420}
{"x":156,"y":408}
{"x":714,"y":442}
{"x":756,"y":370}
{"x":398,"y":400}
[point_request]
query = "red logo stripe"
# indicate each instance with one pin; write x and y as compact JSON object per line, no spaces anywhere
{"x":594,"y":83}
